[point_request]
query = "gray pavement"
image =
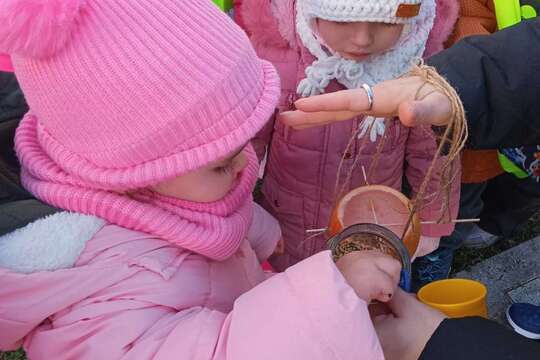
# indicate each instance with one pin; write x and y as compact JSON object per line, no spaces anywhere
{"x":511,"y":276}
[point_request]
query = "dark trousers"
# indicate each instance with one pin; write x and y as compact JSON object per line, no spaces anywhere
{"x":504,"y":204}
{"x":509,"y":202}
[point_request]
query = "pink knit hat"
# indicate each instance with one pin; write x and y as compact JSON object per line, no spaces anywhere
{"x":127,"y":94}
{"x":131,"y":93}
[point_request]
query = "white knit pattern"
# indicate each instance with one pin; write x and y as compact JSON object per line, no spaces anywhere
{"x":357,"y":10}
{"x":352,"y":74}
{"x":375,"y":126}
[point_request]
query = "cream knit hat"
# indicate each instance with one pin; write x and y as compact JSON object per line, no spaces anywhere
{"x":388,"y":11}
{"x":417,"y":15}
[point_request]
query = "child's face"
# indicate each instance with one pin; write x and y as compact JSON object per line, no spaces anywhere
{"x":209,"y":183}
{"x":358,"y":40}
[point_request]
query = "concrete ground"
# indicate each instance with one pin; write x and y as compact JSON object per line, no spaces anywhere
{"x":511,"y":276}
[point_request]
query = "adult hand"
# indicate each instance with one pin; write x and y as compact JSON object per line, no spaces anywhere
{"x":405,"y":332}
{"x":396,"y":97}
{"x":372,"y":274}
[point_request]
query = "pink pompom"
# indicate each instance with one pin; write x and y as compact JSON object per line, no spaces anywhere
{"x":5,"y":63}
{"x":37,"y":28}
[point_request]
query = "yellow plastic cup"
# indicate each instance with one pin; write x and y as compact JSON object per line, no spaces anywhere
{"x":456,"y":297}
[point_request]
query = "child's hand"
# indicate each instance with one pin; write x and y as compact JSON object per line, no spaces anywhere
{"x":372,"y":274}
{"x":280,"y":247}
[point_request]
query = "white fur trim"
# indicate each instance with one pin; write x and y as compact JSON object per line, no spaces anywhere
{"x":52,"y":243}
{"x":282,"y":12}
{"x":377,"y":68}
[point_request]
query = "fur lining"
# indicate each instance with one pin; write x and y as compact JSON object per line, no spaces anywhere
{"x":52,"y":243}
{"x":263,"y":20}
{"x":445,"y":20}
{"x":283,"y":11}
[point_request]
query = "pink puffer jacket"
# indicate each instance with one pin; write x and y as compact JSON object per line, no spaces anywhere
{"x":302,"y":165}
{"x":74,"y":287}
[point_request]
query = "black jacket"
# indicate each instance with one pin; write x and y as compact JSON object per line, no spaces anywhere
{"x":17,"y":206}
{"x":12,"y":108}
{"x":478,"y":339}
{"x":498,"y":79}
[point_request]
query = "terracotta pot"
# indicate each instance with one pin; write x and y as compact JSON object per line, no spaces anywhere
{"x":392,"y":211}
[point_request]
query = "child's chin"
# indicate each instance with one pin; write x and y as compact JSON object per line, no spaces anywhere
{"x":354,"y":57}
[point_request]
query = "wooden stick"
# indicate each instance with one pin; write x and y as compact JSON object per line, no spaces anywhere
{"x":373,"y":211}
{"x":434,"y":222}
{"x":310,"y":231}
{"x":365,"y":176}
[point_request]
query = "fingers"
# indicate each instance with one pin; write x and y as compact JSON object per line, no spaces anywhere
{"x":390,"y":98}
{"x":377,"y":309}
{"x":372,"y":274}
{"x":390,"y":267}
{"x":385,"y":287}
{"x":387,"y":96}
{"x":435,"y":109}
{"x":387,"y":276}
{"x":400,"y":302}
{"x":302,"y":120}
{"x":355,"y":100}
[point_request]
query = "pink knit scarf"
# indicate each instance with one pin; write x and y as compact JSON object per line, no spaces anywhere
{"x":214,"y":230}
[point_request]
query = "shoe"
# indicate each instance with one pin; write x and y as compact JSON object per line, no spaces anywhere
{"x":432,"y":267}
{"x":476,"y":238}
{"x":525,"y":319}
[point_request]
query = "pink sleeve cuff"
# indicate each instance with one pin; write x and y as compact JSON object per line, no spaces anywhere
{"x":264,"y":233}
{"x":307,"y":312}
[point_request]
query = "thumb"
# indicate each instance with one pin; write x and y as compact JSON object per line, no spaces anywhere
{"x":400,"y":302}
{"x":434,"y":109}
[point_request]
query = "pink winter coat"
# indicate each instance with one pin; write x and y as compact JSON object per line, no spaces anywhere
{"x":74,"y":287}
{"x":301,"y":168}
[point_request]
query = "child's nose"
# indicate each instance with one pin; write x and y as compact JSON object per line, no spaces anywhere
{"x":240,"y":162}
{"x":363,"y":35}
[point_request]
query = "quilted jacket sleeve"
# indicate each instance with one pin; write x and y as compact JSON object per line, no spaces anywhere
{"x":264,"y":233}
{"x":307,"y":312}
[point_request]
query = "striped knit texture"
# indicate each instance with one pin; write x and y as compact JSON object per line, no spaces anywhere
{"x":214,"y":230}
{"x":146,"y":90}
